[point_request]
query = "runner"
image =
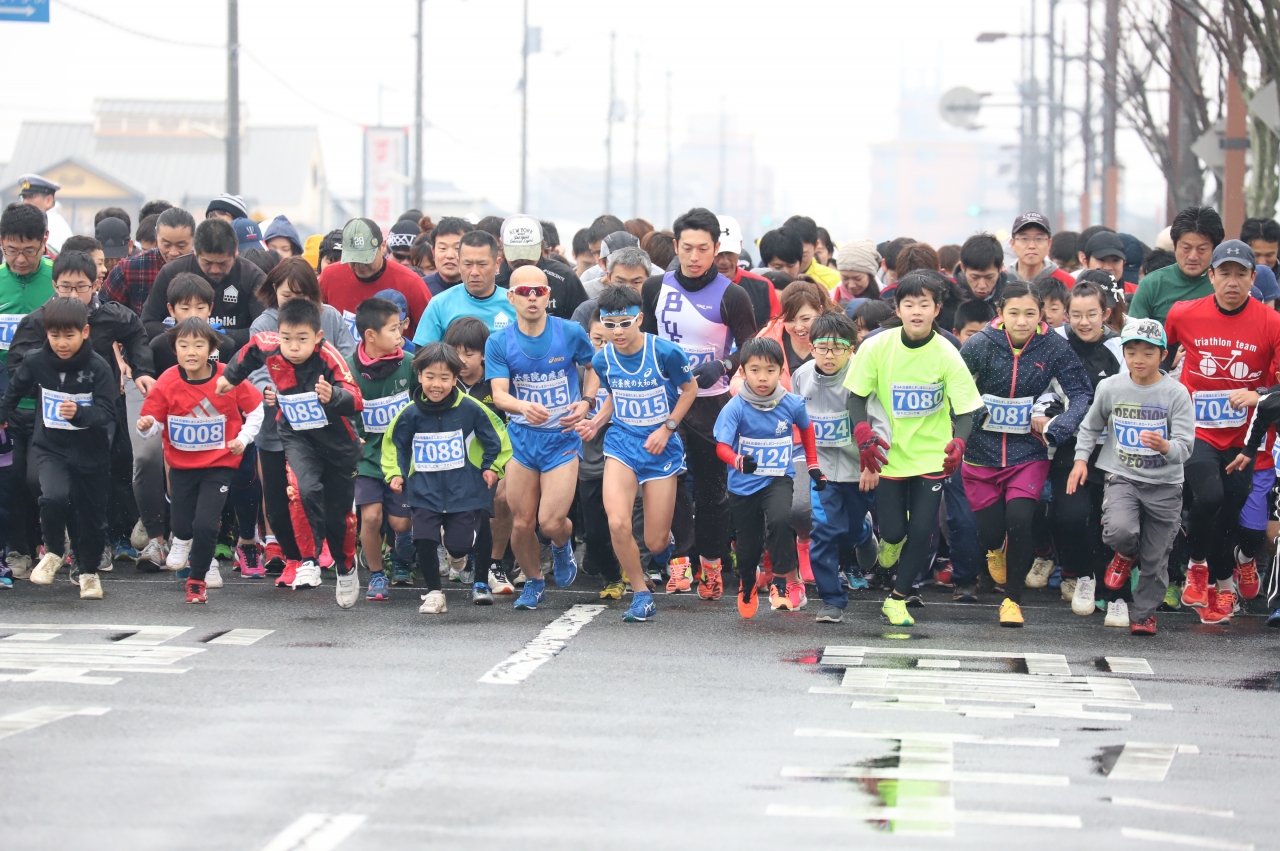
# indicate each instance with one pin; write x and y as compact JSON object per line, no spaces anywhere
{"x":530,"y":367}
{"x":1196,"y":233}
{"x":702,"y":312}
{"x":1232,"y":346}
{"x":925,"y":381}
{"x":651,"y":389}
{"x":479,"y":295}
{"x":1015,"y":360}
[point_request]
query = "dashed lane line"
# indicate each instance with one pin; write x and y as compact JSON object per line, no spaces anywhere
{"x":145,"y":635}
{"x":1173,"y":808}
{"x":1185,"y":839}
{"x":1147,"y":761}
{"x":1128,"y":665}
{"x":316,"y":832}
{"x":241,"y":637}
{"x":38,"y":716}
{"x":546,"y":645}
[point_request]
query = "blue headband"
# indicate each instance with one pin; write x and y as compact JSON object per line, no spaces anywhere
{"x":633,"y":310}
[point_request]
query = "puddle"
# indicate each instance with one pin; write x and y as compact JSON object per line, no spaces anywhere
{"x":1259,"y":682}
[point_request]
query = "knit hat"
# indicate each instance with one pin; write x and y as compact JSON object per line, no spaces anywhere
{"x":402,"y":235}
{"x":311,"y":251}
{"x":281,"y":226}
{"x":858,"y":255}
{"x":231,"y":204}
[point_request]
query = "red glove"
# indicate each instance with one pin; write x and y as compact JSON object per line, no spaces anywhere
{"x":955,"y":454}
{"x":871,"y":447}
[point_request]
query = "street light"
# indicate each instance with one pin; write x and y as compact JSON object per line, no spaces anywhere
{"x":987,"y":38}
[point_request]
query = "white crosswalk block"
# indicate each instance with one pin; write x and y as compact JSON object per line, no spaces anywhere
{"x":147,"y":635}
{"x":1040,"y":664}
{"x":1128,"y":665}
{"x":32,"y":636}
{"x":553,"y":638}
{"x":316,"y":832}
{"x":29,"y":719}
{"x":1184,"y":839}
{"x":1147,"y":760}
{"x":241,"y":637}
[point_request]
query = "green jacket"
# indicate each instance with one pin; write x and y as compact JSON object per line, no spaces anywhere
{"x":19,"y":295}
{"x":385,"y":386}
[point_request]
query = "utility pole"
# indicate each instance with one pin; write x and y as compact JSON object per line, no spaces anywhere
{"x":233,"y":97}
{"x":1235,"y":144}
{"x":1086,"y":121}
{"x":667,"y":205}
{"x":1110,"y":168}
{"x":635,"y":145}
{"x":608,"y":139}
{"x":524,"y":113}
{"x":1175,"y":113}
{"x":417,"y":118}
{"x":1037,"y":144}
{"x":1051,"y":138}
{"x":720,"y":191}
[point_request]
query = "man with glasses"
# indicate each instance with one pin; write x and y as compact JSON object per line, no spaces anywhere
{"x":26,"y":282}
{"x":234,"y":280}
{"x":532,"y":370}
{"x":1030,"y":242}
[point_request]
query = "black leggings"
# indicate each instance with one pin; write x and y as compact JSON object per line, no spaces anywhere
{"x":426,"y":554}
{"x":1076,"y":520}
{"x":763,"y":520}
{"x":908,"y":509}
{"x":275,"y":501}
{"x":196,"y":499}
{"x":1216,"y":500}
{"x":1010,"y":519}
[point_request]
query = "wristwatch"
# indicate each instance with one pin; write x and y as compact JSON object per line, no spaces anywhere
{"x":672,"y":424}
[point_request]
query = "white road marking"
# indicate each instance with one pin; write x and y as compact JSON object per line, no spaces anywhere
{"x":941,"y":814}
{"x":954,"y":738}
{"x":940,"y":775}
{"x":143,"y":634}
{"x":32,"y":636}
{"x":1041,"y":664}
{"x":937,"y":663}
{"x":29,"y":719}
{"x":553,"y":638}
{"x":1128,"y":665}
{"x":1147,"y":760}
{"x":72,"y":663}
{"x":1185,"y":839}
{"x":242,"y":637}
{"x":315,"y":832}
{"x":1173,"y":808}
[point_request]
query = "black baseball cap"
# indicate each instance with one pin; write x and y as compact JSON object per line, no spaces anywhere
{"x":113,"y":233}
{"x":1233,"y":251}
{"x":1026,"y":220}
{"x":1105,"y":244}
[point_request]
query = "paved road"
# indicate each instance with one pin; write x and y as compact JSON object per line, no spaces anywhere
{"x":372,"y":728}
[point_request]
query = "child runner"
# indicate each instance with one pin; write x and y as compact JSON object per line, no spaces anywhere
{"x":651,"y":388}
{"x":841,"y":510}
{"x":1014,"y":361}
{"x":204,"y":435}
{"x":754,"y":438}
{"x":530,"y":367}
{"x":384,"y":374}
{"x":77,"y":392}
{"x":1150,"y":426}
{"x":444,"y":451}
{"x":925,"y":381}
{"x":316,"y":397}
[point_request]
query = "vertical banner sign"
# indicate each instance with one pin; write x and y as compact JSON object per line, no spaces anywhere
{"x":386,"y":158}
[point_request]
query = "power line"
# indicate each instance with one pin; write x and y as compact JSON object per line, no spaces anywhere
{"x":139,"y":33}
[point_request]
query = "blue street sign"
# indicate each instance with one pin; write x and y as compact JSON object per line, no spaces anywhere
{"x":26,"y":11}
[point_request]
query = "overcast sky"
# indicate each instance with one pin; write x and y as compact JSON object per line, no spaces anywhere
{"x":815,"y":81}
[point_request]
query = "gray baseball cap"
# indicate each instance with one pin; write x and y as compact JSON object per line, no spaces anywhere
{"x":1233,"y":251}
{"x":360,"y":241}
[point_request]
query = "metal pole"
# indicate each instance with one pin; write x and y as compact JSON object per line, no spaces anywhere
{"x":720,"y":190}
{"x":1037,"y":144}
{"x":635,"y":145}
{"x":1051,"y":137}
{"x":1175,"y":114}
{"x":1235,"y":143}
{"x":233,"y":97}
{"x":1086,"y":121}
{"x":1110,"y":169}
{"x":417,"y":119}
{"x":667,"y":205}
{"x":524,"y":114}
{"x":608,"y":139}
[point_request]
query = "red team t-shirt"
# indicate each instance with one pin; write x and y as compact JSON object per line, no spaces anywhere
{"x":173,"y":396}
{"x":1224,"y":353}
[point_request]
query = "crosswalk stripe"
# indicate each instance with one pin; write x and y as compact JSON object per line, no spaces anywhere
{"x":1146,"y":760}
{"x":941,"y":814}
{"x":548,"y":643}
{"x":29,"y":719}
{"x":938,"y":775}
{"x":316,"y":832}
{"x":146,"y":635}
{"x":1128,"y":665}
{"x":1039,"y":664}
{"x":32,"y":636}
{"x":1185,"y":839}
{"x":1173,"y":808}
{"x":241,"y":637}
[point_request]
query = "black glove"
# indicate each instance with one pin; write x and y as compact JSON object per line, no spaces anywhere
{"x":709,"y":373}
{"x":746,"y":464}
{"x":819,"y":480}
{"x":1054,"y":409}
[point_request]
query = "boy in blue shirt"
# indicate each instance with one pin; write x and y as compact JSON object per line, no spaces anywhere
{"x":754,"y":437}
{"x":651,"y":388}
{"x":531,"y":367}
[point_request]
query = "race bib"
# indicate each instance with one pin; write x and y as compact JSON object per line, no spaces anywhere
{"x":1011,"y":416}
{"x":378,"y":413}
{"x":1127,"y":429}
{"x":1213,"y":410}
{"x":436,"y":452}
{"x":8,"y":324}
{"x":303,"y":411}
{"x":601,"y":395}
{"x":50,"y":399}
{"x":552,"y":394}
{"x":641,"y":407}
{"x":772,"y":454}
{"x":350,"y":318}
{"x":916,"y":400}
{"x":698,"y":355}
{"x":196,"y":434}
{"x":831,"y":429}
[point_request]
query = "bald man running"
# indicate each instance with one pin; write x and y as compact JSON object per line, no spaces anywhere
{"x":532,"y":371}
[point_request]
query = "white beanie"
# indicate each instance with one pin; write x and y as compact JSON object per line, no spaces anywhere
{"x":858,"y":255}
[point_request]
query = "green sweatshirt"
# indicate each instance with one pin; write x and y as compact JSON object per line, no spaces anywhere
{"x":385,"y":387}
{"x":19,"y":295}
{"x":1160,"y":290}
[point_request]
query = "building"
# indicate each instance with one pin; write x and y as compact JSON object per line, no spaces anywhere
{"x":136,"y":151}
{"x":937,"y":183}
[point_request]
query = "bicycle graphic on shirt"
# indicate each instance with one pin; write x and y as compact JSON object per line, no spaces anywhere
{"x":1236,"y":370}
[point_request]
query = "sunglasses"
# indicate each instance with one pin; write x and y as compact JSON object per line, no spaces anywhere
{"x":531,"y":292}
{"x":612,"y":324}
